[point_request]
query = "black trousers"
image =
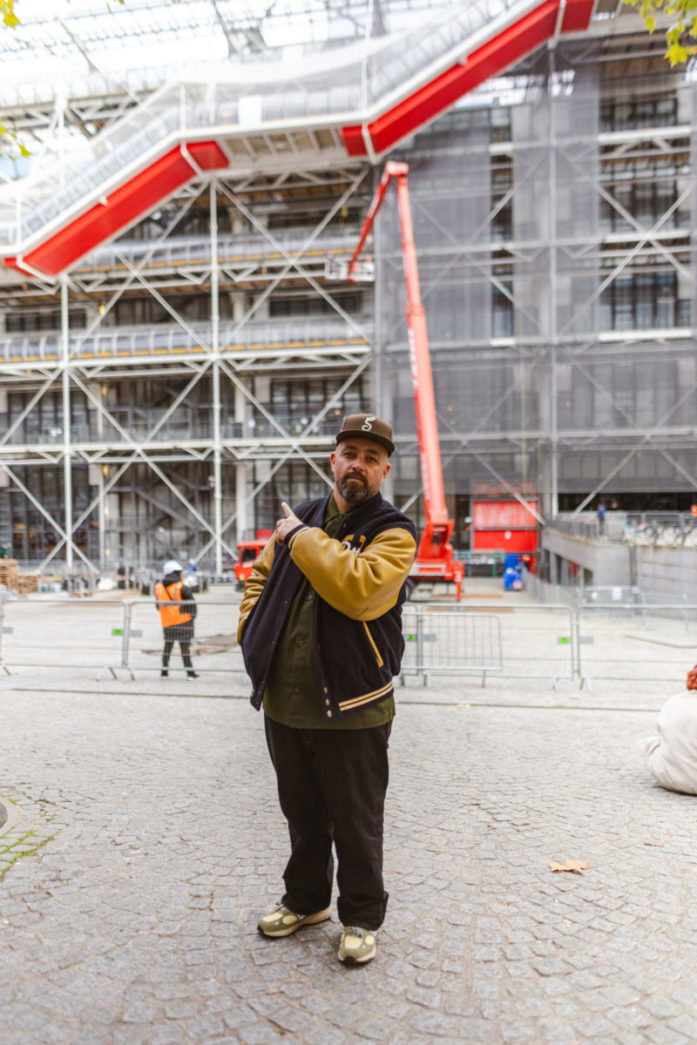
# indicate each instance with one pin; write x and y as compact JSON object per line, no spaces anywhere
{"x":331,"y":786}
{"x":183,"y":634}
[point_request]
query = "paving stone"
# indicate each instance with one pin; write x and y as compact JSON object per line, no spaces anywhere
{"x":685,"y":1024}
{"x":204,"y":1027}
{"x":179,"y":1009}
{"x":135,"y":923}
{"x":660,"y":1035}
{"x":518,"y":1033}
{"x":434,"y":1023}
{"x":421,"y":996}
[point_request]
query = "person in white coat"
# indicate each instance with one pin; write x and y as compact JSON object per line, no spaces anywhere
{"x":671,"y":754}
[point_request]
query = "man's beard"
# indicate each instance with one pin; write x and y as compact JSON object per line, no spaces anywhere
{"x":353,"y":492}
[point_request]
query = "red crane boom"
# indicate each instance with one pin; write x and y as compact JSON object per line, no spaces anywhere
{"x":434,"y":557}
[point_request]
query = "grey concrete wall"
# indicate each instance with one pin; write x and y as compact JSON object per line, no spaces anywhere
{"x":609,"y":562}
{"x":667,"y":573}
{"x":661,"y":573}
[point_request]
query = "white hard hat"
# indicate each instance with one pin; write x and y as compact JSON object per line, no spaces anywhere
{"x":171,"y":566}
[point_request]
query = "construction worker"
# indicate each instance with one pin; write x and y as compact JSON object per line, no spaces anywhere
{"x":177,"y":611}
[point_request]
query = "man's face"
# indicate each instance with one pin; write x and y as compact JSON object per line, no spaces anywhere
{"x":359,"y":467}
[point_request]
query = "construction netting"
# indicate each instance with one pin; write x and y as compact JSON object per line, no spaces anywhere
{"x":557,"y":296}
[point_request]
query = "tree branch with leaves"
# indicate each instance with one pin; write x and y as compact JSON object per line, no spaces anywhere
{"x":10,"y":144}
{"x":7,"y":10}
{"x":681,"y":34}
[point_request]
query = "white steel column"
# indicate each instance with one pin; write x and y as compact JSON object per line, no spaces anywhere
{"x":67,"y":463}
{"x":215,"y":375}
{"x":102,"y":515}
{"x":241,"y":470}
{"x":553,"y":506}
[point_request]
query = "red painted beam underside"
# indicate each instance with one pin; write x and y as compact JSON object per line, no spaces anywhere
{"x":127,"y":203}
{"x":499,"y":53}
{"x":149,"y":187}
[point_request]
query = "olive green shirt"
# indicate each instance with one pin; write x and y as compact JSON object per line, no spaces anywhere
{"x":293,"y":694}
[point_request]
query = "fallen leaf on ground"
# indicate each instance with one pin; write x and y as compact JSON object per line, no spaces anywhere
{"x":575,"y":866}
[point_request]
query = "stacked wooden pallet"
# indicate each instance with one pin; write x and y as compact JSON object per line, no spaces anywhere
{"x":25,"y":583}
{"x":22,"y":583}
{"x":8,"y":573}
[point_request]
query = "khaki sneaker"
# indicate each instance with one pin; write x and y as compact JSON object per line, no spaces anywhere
{"x":284,"y":922}
{"x":357,"y":945}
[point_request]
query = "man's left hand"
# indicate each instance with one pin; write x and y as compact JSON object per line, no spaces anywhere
{"x":285,"y":526}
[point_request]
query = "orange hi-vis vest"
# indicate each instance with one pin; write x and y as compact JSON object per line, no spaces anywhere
{"x":170,"y":612}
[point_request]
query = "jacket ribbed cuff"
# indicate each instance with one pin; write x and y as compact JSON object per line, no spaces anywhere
{"x":290,"y":537}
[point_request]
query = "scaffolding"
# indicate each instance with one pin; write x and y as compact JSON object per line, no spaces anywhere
{"x":163,"y":389}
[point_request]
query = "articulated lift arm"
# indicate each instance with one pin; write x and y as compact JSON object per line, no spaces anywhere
{"x":435,"y":554}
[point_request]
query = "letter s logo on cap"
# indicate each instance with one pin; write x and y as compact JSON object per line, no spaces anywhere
{"x":367,"y":426}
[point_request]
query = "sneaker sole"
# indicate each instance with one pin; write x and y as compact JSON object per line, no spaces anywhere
{"x":354,"y":957}
{"x":311,"y":919}
{"x":350,"y":960}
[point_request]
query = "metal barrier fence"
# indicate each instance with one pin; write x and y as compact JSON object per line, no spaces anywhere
{"x":71,"y":633}
{"x":214,"y":647}
{"x":111,"y":635}
{"x":524,"y":641}
{"x":446,"y":642}
{"x":641,"y":643}
{"x":539,"y":641}
{"x":611,"y":641}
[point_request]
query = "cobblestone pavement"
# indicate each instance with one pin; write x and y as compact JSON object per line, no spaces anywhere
{"x":143,"y":839}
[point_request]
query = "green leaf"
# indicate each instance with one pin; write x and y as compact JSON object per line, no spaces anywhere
{"x":676,"y":54}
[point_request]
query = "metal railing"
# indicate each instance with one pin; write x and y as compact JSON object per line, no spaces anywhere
{"x":180,"y":251}
{"x":665,"y":529}
{"x":163,"y":339}
{"x":584,"y":643}
{"x":111,"y":635}
{"x":525,"y":641}
{"x":636,"y":643}
{"x":669,"y":529}
{"x":440,"y":641}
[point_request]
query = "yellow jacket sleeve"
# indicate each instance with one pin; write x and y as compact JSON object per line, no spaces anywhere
{"x":362,"y":585}
{"x":254,"y":585}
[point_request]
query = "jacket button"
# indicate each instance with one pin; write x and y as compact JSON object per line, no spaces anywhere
{"x":327,"y":702}
{"x":329,"y":714}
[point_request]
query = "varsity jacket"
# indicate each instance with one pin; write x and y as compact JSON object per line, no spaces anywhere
{"x":358,"y":577}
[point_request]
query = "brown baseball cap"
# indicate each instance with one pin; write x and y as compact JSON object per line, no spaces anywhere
{"x":366,"y":426}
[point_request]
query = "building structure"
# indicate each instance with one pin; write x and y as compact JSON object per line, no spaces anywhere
{"x":178,"y":336}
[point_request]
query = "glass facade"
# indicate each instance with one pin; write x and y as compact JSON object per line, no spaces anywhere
{"x":212,"y":349}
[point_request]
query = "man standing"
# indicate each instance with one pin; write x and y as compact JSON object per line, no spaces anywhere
{"x":177,"y":611}
{"x":320,"y":629}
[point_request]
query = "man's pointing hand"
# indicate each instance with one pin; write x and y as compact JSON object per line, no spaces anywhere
{"x":285,"y":526}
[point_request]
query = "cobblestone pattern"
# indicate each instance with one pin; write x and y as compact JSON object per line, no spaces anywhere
{"x":144,"y":838}
{"x":25,"y":826}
